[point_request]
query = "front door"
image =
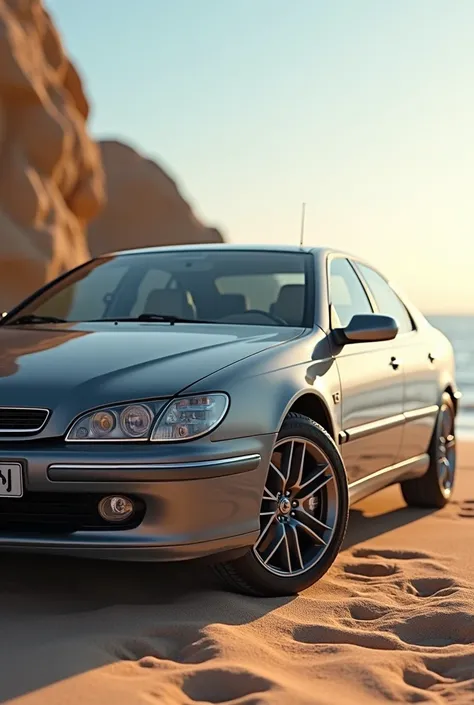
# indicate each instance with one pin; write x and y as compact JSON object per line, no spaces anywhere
{"x":418,"y":354}
{"x":372,"y":382}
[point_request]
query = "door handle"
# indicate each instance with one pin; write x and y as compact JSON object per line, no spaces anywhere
{"x":431,"y":357}
{"x":395,"y":363}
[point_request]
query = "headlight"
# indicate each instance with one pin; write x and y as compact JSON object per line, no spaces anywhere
{"x":183,"y":419}
{"x":190,"y":417}
{"x":127,"y":422}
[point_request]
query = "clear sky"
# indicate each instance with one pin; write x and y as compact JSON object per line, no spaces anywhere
{"x":362,"y":108}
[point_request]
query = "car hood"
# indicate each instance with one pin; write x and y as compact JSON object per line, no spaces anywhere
{"x":99,"y":363}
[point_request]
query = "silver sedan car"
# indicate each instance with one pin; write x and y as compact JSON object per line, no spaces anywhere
{"x":229,"y":401}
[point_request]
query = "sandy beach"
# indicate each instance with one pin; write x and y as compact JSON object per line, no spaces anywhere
{"x":393,"y":621}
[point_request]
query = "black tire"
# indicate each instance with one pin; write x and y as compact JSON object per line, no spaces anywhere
{"x":248,"y":574}
{"x":434,"y":489}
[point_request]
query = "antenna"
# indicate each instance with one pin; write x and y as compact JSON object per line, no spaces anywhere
{"x":303,"y":214}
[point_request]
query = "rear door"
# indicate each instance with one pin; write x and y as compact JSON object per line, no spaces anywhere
{"x":418,"y":358}
{"x":371,"y":381}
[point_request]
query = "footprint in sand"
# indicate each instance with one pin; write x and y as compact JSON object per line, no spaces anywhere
{"x":387,"y":563}
{"x":434,"y":587}
{"x":384,"y":563}
{"x":372,"y":569}
{"x":442,"y":674}
{"x":455,"y":666}
{"x":395,"y":554}
{"x":366,"y":611}
{"x":466,"y":509}
{"x":221,"y":685}
{"x":421,"y":678}
{"x":345,"y":634}
{"x":380,"y":563}
{"x":442,"y":626}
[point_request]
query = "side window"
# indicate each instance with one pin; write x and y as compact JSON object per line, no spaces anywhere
{"x":387,"y":300}
{"x":346,"y":293}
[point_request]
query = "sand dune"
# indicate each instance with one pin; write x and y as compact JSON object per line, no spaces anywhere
{"x":392,"y":622}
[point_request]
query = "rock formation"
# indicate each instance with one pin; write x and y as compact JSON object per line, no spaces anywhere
{"x":51,"y":178}
{"x":144,"y":206}
{"x":51,"y":174}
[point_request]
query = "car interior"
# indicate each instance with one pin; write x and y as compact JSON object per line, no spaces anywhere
{"x":288,"y":306}
{"x":238,"y":290}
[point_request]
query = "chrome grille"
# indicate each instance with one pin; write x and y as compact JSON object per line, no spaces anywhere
{"x":22,"y":419}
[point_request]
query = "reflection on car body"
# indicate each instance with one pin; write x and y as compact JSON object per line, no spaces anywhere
{"x":220,"y":400}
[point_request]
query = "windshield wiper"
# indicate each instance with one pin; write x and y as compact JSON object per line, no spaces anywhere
{"x":34,"y":318}
{"x":152,"y":317}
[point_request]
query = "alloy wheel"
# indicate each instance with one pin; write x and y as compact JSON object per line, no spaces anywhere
{"x":446,"y":457}
{"x":299,"y":510}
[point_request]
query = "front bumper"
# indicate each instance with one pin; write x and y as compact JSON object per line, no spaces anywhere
{"x":199,"y":498}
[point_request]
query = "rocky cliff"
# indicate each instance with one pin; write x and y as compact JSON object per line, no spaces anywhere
{"x":52,"y":181}
{"x":51,"y":178}
{"x":144,"y":206}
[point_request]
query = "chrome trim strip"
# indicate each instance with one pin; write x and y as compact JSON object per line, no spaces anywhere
{"x":356,"y":432}
{"x":156,"y":466}
{"x":420,"y":413}
{"x":377,"y":480}
{"x":152,"y":472}
{"x":143,"y":439}
{"x":390,"y":468}
{"x":342,"y":437}
{"x":37,"y":429}
{"x":374,"y":426}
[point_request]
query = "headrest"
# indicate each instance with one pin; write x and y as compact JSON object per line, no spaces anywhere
{"x":290,"y":304}
{"x":170,"y":302}
{"x":230,"y":304}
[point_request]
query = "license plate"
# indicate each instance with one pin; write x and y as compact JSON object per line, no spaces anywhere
{"x":11,"y":480}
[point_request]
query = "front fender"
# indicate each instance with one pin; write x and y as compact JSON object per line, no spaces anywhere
{"x":321,"y":395}
{"x":264,"y":387}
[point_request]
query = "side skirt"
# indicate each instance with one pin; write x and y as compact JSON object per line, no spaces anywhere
{"x":406,"y":470}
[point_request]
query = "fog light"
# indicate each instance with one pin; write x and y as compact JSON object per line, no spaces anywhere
{"x":116,"y":508}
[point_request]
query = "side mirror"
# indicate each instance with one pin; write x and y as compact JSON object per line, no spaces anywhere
{"x":367,"y":328}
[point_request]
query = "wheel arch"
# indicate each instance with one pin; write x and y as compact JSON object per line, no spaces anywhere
{"x":449,"y":389}
{"x":313,"y":405}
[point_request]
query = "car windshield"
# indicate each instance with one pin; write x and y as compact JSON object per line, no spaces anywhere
{"x":248,"y":287}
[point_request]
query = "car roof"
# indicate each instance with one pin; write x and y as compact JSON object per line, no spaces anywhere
{"x":230,"y":247}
